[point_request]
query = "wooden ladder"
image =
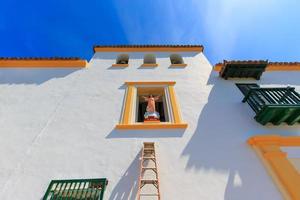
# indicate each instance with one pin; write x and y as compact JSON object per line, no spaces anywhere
{"x":148,"y":181}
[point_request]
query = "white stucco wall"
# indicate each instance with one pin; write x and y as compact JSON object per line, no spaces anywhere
{"x":60,"y":124}
{"x":293,"y":154}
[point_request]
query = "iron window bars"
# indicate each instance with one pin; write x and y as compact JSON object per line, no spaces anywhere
{"x":76,"y":189}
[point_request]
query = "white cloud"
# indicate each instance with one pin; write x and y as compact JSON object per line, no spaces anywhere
{"x":225,"y":21}
{"x":229,"y":29}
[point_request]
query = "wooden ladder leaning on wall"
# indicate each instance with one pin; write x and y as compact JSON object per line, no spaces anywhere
{"x":148,"y":188}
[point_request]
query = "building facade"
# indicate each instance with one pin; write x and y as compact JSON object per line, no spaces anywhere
{"x":229,"y":131}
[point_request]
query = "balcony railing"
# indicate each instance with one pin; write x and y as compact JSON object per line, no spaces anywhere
{"x":274,"y":105}
{"x":76,"y":189}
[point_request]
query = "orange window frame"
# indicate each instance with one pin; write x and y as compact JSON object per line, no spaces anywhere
{"x":126,"y":121}
{"x":285,"y":175}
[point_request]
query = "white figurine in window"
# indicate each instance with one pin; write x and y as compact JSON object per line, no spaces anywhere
{"x":151,"y":113}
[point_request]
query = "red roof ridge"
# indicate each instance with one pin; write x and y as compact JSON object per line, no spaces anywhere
{"x":271,"y":66}
{"x":40,"y":58}
{"x":150,"y":47}
{"x":256,"y":62}
{"x":284,"y":63}
{"x":41,"y":62}
{"x":147,"y":45}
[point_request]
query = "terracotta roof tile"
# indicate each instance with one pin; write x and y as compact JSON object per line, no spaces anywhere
{"x":271,"y":66}
{"x":41,"y":62}
{"x":40,"y":58}
{"x":145,"y":46}
{"x":284,"y":63}
{"x":245,"y":61}
{"x":136,"y":47}
{"x":257,"y":62}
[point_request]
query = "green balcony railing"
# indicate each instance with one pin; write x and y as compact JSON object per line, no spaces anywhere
{"x":76,"y":189}
{"x":272,"y":105}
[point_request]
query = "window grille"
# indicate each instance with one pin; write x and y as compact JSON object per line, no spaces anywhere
{"x":76,"y":189}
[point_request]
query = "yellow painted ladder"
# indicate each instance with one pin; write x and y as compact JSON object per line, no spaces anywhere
{"x":148,"y":181}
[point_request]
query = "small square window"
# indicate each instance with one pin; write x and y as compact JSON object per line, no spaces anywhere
{"x":177,"y":61}
{"x":122,"y":61}
{"x":150,"y":105}
{"x":149,"y":61}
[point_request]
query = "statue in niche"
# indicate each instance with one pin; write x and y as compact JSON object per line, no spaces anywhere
{"x":151,"y":114}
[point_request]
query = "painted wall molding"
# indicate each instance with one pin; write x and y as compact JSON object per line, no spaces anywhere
{"x":282,"y":170}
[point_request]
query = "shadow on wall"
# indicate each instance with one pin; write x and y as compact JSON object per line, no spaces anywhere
{"x":127,"y":186}
{"x":32,"y":76}
{"x":167,"y":133}
{"x":219,"y":143}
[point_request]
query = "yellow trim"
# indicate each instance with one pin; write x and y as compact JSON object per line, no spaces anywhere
{"x":149,"y":65}
{"x":178,"y":65}
{"x":148,"y":49}
{"x":150,"y":82}
{"x":119,"y":65}
{"x":277,"y":182}
{"x":175,"y":109}
{"x":218,"y":67}
{"x":128,"y":106}
{"x":127,"y":121}
{"x":151,"y":126}
{"x":10,"y":63}
{"x":286,"y":174}
{"x":282,"y":67}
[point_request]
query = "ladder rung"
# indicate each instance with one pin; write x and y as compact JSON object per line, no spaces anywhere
{"x":149,"y":144}
{"x":149,"y":181}
{"x":148,"y":157}
{"x":148,"y":149}
{"x":148,"y":194}
{"x":149,"y":167}
{"x":149,"y":153}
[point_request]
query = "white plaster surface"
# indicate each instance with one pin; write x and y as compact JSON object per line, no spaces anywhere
{"x":59,"y":124}
{"x":293,"y":154}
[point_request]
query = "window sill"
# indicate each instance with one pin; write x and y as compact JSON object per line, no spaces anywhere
{"x":120,"y":65}
{"x":178,"y":65}
{"x":152,"y":126}
{"x":149,"y":65}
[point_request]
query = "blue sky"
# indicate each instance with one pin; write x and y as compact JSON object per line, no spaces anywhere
{"x":229,"y":29}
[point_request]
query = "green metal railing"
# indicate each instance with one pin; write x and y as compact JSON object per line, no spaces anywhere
{"x":76,"y":189}
{"x":275,"y":105}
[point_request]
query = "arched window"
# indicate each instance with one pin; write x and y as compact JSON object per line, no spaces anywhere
{"x":122,"y":59}
{"x":176,"y":59}
{"x":149,"y":59}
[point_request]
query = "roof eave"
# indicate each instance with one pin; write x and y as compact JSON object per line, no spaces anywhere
{"x":148,"y":48}
{"x":42,"y":63}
